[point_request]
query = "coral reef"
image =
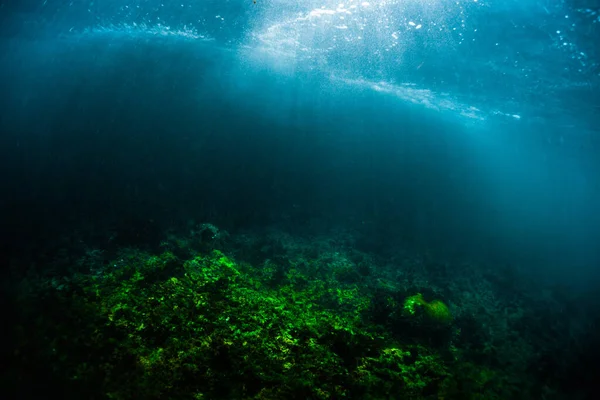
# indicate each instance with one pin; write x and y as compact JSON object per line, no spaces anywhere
{"x":308,"y":322}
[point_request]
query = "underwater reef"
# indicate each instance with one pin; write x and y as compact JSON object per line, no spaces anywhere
{"x":209,"y":315}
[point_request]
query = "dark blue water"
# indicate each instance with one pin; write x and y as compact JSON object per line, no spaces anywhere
{"x":465,"y":129}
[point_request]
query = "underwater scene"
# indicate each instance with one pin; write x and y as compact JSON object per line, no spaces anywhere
{"x":313,"y":199}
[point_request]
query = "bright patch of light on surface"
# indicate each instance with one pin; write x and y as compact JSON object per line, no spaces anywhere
{"x":354,"y":38}
{"x":317,"y":27}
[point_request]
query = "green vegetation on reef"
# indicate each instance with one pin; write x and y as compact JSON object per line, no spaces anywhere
{"x":157,"y":327}
{"x":435,"y":310}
